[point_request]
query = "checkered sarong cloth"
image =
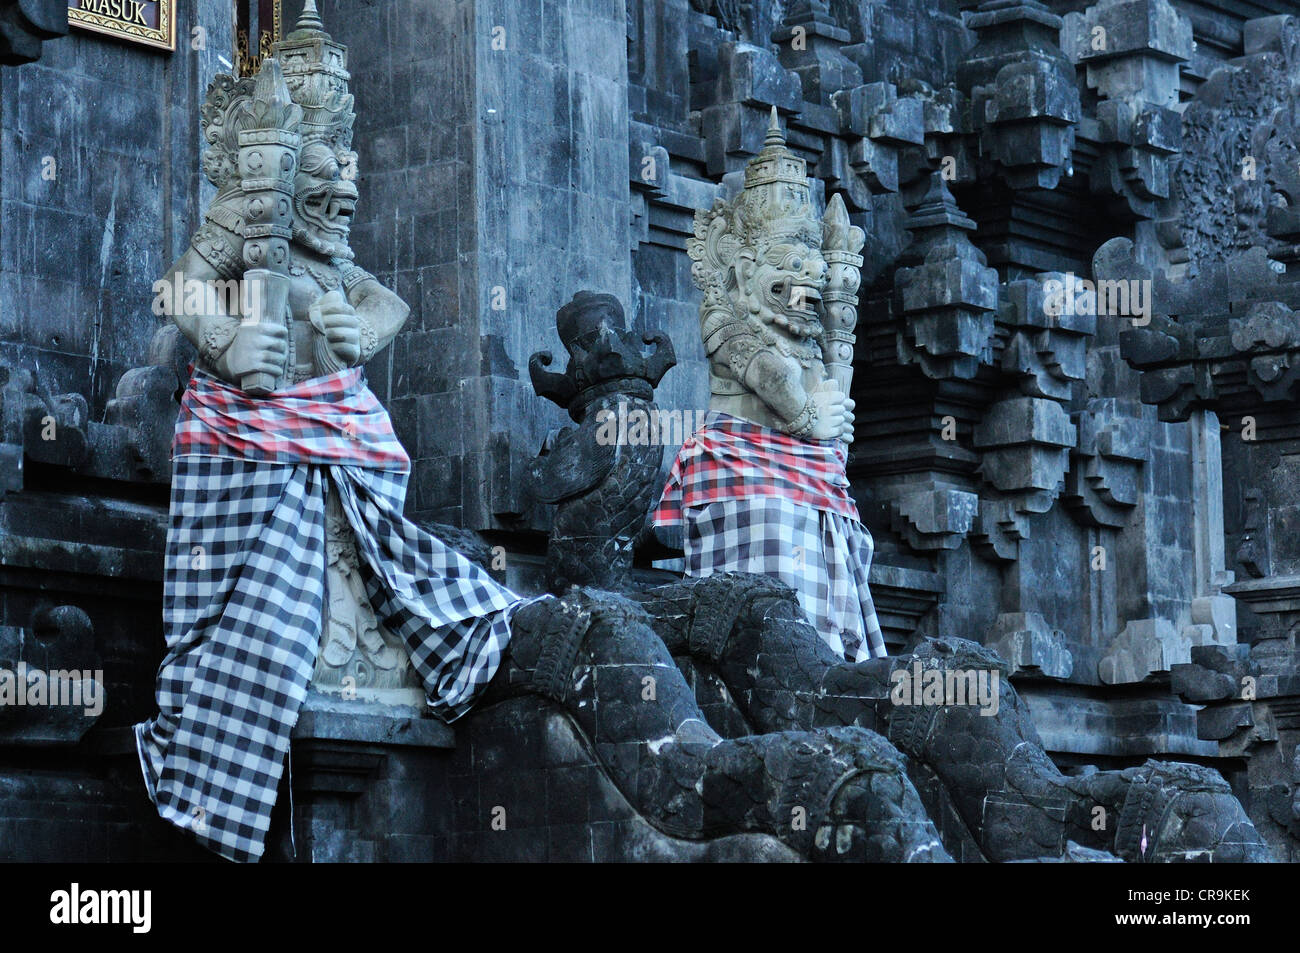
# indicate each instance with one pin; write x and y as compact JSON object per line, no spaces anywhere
{"x":750,"y":499}
{"x":244,"y":592}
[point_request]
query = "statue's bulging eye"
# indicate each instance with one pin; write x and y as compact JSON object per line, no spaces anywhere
{"x":796,"y":264}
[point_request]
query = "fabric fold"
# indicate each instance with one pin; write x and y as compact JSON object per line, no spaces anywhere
{"x":750,"y":499}
{"x":245,"y":592}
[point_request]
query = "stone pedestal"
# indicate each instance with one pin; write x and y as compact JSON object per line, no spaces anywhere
{"x":368,"y":783}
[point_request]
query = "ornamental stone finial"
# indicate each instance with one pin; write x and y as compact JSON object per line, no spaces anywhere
{"x":310,"y":18}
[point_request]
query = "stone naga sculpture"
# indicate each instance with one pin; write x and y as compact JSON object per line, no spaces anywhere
{"x":830,"y":794}
{"x":608,"y":382}
{"x":837,"y":764}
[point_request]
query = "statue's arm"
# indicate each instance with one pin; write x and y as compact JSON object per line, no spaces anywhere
{"x":227,"y":346}
{"x":773,"y":378}
{"x":211,"y":329}
{"x":381,"y":312}
{"x":778,"y":381}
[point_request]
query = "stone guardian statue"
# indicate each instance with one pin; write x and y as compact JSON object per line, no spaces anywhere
{"x":287,"y":544}
{"x":761,"y":487}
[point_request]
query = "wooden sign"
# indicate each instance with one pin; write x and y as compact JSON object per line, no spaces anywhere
{"x":149,"y":22}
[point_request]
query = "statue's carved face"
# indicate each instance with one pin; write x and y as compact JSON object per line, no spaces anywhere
{"x":325,"y":198}
{"x":781,"y":282}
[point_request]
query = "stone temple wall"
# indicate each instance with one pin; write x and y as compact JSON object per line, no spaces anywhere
{"x":1108,"y":502}
{"x":99,"y":193}
{"x":496,"y":187}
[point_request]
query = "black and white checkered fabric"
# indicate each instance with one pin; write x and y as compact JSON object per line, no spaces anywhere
{"x":244,"y":602}
{"x":823,"y":556}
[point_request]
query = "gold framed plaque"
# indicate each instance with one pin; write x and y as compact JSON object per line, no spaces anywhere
{"x":148,"y":22}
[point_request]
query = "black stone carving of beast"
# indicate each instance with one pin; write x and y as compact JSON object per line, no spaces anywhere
{"x":811,"y":751}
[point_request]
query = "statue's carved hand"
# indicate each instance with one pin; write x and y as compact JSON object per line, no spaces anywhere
{"x":834,"y":413}
{"x":257,"y":349}
{"x":340,"y":325}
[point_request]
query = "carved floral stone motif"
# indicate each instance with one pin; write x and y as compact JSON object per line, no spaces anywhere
{"x":359,"y":656}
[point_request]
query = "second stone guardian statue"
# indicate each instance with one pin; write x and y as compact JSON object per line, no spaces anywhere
{"x":761,"y":487}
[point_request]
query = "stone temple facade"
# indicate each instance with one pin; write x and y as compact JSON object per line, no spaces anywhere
{"x":1077,"y":366}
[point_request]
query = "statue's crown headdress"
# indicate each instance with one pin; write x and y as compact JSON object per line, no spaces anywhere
{"x":776,"y":164}
{"x":775,"y":205}
{"x":776,"y":202}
